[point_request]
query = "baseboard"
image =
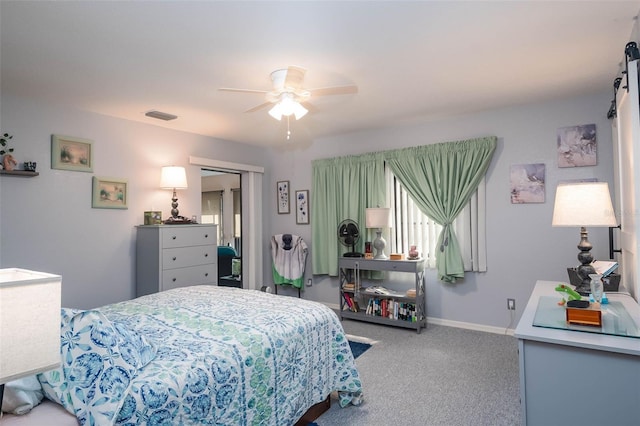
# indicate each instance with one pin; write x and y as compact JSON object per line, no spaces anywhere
{"x":451,"y":323}
{"x":470,"y":326}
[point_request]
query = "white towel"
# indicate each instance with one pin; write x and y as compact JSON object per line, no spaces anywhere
{"x":288,"y":260}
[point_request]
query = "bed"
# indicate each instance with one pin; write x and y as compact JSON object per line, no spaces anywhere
{"x":201,"y":355}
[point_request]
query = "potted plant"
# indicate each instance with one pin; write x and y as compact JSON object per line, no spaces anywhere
{"x":7,"y":159}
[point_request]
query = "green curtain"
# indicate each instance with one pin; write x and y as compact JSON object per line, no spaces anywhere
{"x":441,"y":178}
{"x":342,"y":188}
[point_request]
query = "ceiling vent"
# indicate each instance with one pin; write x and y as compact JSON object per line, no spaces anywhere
{"x":160,"y":115}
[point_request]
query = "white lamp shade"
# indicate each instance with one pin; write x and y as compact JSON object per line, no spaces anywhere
{"x":583,"y":204}
{"x":29,"y":323}
{"x":379,"y":217}
{"x":173,"y":177}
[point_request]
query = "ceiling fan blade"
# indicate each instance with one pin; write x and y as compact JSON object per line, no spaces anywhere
{"x":334,"y":90}
{"x":294,"y":77}
{"x":309,"y":106}
{"x":230,"y":89}
{"x":259,"y":107}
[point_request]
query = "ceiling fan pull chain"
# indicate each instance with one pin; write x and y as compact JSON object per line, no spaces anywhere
{"x":288,"y":131}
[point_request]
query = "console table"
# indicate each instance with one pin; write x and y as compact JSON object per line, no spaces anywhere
{"x":572,"y":377}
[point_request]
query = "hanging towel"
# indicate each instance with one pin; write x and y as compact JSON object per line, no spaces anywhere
{"x":289,"y":254}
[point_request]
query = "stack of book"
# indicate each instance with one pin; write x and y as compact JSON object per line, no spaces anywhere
{"x":350,"y":286}
{"x":351,"y":302}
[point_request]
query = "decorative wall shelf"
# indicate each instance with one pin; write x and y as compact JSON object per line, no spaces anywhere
{"x":21,"y":173}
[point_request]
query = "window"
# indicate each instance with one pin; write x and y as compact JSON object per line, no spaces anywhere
{"x":212,"y":210}
{"x":412,"y":227}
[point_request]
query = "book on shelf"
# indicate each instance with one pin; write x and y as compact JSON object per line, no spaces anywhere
{"x":379,"y":290}
{"x":352,"y":304}
{"x":350,"y":286}
{"x":391,"y":309}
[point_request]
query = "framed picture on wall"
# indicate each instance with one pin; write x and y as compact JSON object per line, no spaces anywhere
{"x":283,"y":197}
{"x":69,"y":153}
{"x":302,"y":207}
{"x":577,"y":146}
{"x":109,"y":193}
{"x":527,"y":182}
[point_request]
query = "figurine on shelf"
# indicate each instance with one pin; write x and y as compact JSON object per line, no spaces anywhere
{"x":8,"y":162}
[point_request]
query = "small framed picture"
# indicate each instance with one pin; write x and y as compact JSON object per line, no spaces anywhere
{"x":69,"y":153}
{"x":577,"y":146}
{"x":302,"y":207}
{"x":527,"y":182}
{"x":283,"y":197}
{"x":152,"y":218}
{"x":109,"y":193}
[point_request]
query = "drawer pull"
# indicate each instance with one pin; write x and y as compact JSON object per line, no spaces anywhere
{"x":206,"y":274}
{"x":174,"y":258}
{"x":173,"y":238}
{"x":206,"y":235}
{"x":174,"y":280}
{"x":206,"y":255}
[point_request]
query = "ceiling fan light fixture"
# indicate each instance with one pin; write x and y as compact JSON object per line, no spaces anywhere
{"x":287,"y":107}
{"x":276,"y":111}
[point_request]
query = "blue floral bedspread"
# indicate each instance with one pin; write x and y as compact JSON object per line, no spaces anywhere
{"x":202,"y":355}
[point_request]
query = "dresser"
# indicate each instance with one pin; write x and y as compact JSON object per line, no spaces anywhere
{"x":579,"y":376}
{"x":171,"y":256}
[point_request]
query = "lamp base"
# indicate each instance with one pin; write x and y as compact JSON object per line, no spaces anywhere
{"x":178,"y":220}
{"x":379,"y":244}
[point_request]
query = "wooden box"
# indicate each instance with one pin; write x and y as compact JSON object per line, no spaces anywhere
{"x":585,"y":316}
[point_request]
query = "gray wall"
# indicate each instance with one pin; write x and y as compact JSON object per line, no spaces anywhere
{"x":522,"y":246}
{"x":47,"y":221}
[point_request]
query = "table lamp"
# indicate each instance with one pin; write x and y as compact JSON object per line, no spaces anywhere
{"x":378,"y":217}
{"x":583,"y":204}
{"x":174,"y":177}
{"x":29,"y":324}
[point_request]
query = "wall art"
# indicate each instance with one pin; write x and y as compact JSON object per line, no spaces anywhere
{"x":69,"y":153}
{"x":527,"y":183}
{"x":109,"y":193}
{"x":577,"y":146}
{"x":283,"y":197}
{"x":302,"y":207}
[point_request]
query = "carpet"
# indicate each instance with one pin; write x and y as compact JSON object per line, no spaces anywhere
{"x":358,"y":348}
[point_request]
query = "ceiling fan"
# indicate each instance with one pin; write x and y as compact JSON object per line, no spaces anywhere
{"x":288,"y":95}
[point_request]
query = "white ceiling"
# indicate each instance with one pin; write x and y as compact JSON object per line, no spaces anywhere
{"x":412,"y":61}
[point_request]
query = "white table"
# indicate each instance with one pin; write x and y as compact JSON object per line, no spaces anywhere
{"x":575,"y":378}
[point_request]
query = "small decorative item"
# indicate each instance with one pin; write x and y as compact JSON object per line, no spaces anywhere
{"x":109,"y":193}
{"x":283,"y":197}
{"x":68,"y":153}
{"x":302,"y":207}
{"x":527,"y":183}
{"x":29,"y":166}
{"x":8,"y":162}
{"x":152,"y":218}
{"x":413,"y":253}
{"x":577,"y":146}
{"x":596,"y":287}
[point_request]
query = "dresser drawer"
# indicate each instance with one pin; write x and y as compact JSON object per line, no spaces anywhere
{"x":188,"y":236}
{"x":188,"y":256}
{"x":183,"y":277}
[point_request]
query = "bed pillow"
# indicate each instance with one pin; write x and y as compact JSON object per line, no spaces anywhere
{"x":21,"y":395}
{"x":99,"y":360}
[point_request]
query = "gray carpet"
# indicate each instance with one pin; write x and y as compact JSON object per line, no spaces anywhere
{"x":443,"y":376}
